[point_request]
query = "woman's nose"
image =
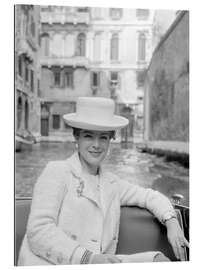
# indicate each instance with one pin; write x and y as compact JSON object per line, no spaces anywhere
{"x":96,"y":142}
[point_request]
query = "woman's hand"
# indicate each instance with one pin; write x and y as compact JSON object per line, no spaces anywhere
{"x":104,"y":258}
{"x":160,"y":257}
{"x":176,"y":238}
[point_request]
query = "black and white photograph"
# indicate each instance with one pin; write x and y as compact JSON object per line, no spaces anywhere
{"x":101,"y":135}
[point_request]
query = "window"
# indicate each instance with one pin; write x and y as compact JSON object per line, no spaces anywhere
{"x":140,"y":77}
{"x":68,"y":78}
{"x":140,"y":98}
{"x":69,"y":44}
{"x":44,"y":8}
{"x":116,"y":13}
{"x":32,"y":80}
{"x":32,"y":26}
{"x":114,"y":76}
{"x":142,"y":14}
{"x":81,"y":47}
{"x":114,"y":79}
{"x":114,"y":47}
{"x":57,"y":77}
{"x":19,"y":112}
{"x":38,"y":88}
{"x":56,"y":121}
{"x":26,"y":123}
{"x":20,"y":66}
{"x":95,"y":79}
{"x":97,"y":13}
{"x":26,"y":73}
{"x":97,"y":47}
{"x":45,"y":45}
{"x":141,"y":47}
{"x":82,"y":9}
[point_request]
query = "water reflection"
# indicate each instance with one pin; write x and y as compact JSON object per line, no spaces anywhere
{"x":139,"y":168}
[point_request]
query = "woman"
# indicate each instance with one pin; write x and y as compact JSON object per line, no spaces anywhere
{"x":75,"y":210}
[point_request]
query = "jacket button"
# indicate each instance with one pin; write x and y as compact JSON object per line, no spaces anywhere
{"x":48,"y":253}
{"x":94,"y":240}
{"x":59,"y":259}
{"x":74,"y":237}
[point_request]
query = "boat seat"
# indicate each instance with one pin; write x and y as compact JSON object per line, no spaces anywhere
{"x":139,"y":230}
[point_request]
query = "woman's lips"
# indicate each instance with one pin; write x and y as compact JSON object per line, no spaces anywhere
{"x":95,"y":154}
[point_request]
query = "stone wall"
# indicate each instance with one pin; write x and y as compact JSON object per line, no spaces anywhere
{"x":167,"y":85}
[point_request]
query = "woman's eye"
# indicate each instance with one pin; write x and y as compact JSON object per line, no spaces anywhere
{"x":87,"y":136}
{"x":104,"y":138}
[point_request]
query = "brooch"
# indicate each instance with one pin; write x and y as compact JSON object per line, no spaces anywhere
{"x":80,"y":188}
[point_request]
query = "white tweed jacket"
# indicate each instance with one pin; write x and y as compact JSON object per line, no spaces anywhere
{"x":68,"y":216}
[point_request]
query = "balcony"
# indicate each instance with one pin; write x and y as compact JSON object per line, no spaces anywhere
{"x":65,"y":17}
{"x":76,"y":61}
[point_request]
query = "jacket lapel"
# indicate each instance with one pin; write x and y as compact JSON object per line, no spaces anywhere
{"x":108,"y":190}
{"x":84,"y":187}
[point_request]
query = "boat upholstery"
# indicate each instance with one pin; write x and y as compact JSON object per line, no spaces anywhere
{"x":139,"y":230}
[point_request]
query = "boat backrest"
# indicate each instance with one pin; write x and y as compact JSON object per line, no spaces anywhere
{"x":139,"y":230}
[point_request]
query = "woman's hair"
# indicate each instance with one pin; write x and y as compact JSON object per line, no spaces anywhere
{"x":76,"y":133}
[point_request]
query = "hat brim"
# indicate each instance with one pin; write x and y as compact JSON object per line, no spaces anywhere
{"x":117,"y":122}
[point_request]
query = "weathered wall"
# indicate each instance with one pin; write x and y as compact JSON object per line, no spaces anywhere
{"x":167,"y":85}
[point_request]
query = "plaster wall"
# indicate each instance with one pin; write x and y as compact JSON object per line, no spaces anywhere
{"x":167,"y":85}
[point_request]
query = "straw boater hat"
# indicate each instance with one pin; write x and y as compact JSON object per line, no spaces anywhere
{"x":94,"y":113}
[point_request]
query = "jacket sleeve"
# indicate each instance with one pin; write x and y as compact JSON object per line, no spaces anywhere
{"x":158,"y":204}
{"x":45,"y":238}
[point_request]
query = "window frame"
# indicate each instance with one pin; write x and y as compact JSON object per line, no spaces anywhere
{"x":26,"y":72}
{"x":32,"y":80}
{"x":55,"y":72}
{"x":98,"y":79}
{"x":54,"y":125}
{"x":144,"y":14}
{"x":68,"y":73}
{"x":20,"y":66}
{"x":114,"y":47}
{"x":116,"y":13}
{"x":142,"y":41}
{"x":140,"y":77}
{"x":115,"y":83}
{"x":81,"y":44}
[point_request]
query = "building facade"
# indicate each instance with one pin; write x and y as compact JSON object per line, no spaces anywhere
{"x":27,"y":70}
{"x":101,"y":52}
{"x":167,"y":85}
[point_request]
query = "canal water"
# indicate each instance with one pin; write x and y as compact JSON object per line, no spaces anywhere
{"x":139,"y":168}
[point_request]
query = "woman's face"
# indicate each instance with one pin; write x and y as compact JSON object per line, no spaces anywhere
{"x":93,"y":147}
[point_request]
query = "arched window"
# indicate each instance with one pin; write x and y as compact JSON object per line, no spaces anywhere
{"x":32,"y":26}
{"x":26,"y":114}
{"x":97,"y":47}
{"x":19,"y":112}
{"x":81,"y":46}
{"x":142,"y":47}
{"x":45,"y":45}
{"x":69,"y":45}
{"x":114,"y":47}
{"x":57,"y":45}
